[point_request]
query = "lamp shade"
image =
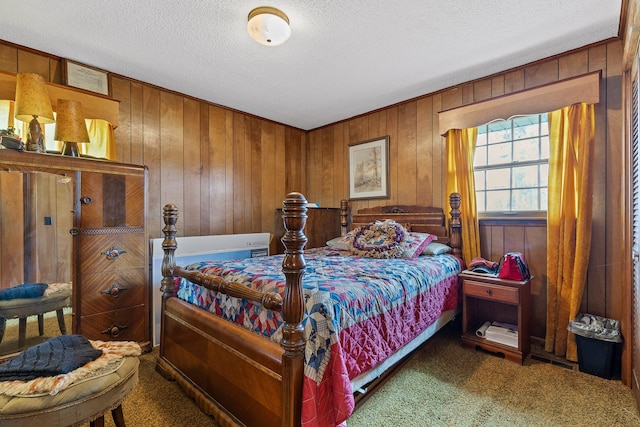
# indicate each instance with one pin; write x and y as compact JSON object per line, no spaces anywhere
{"x":268,"y":26}
{"x":32,"y":98}
{"x":70,"y":124}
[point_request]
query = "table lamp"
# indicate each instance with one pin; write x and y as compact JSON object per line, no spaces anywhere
{"x":33,"y":105}
{"x":70,"y":126}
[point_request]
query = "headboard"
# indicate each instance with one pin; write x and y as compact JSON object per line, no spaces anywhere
{"x":420,"y":219}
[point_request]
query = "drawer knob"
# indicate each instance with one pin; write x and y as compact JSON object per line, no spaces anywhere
{"x":114,"y":330}
{"x":114,"y":290}
{"x":489,"y":292}
{"x":113,"y":253}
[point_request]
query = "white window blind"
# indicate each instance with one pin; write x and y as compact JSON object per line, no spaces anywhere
{"x":635,"y":173}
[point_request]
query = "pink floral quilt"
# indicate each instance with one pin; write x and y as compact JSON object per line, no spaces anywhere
{"x":358,"y":312}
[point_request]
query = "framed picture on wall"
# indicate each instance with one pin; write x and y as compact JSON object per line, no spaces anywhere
{"x":369,"y":169}
{"x":85,"y":77}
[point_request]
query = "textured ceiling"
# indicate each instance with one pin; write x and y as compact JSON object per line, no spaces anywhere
{"x":344,"y":57}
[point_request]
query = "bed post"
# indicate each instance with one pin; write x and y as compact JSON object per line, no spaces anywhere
{"x":455,"y":226}
{"x":169,"y":246}
{"x":344,"y":217}
{"x":294,"y":216}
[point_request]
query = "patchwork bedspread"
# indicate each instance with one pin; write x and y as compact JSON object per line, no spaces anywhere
{"x":358,"y":311}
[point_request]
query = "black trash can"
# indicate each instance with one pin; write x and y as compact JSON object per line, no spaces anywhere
{"x":599,"y":345}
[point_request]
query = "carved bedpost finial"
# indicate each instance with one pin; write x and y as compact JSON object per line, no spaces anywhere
{"x":294,"y":216}
{"x":455,"y":226}
{"x":169,"y":245}
{"x":344,"y":217}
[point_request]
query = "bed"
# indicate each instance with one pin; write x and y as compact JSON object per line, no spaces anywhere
{"x":315,"y":329}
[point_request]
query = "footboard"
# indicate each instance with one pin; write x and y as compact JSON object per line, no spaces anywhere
{"x":233,"y":374}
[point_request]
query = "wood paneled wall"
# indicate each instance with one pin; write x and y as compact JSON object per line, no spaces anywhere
{"x":228,"y":171}
{"x":12,"y":228}
{"x":225,"y":170}
{"x":417,"y":169}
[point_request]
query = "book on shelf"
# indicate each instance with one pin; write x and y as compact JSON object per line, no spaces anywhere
{"x":502,"y":333}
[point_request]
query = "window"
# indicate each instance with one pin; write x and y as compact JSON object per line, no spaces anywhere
{"x":511,"y":165}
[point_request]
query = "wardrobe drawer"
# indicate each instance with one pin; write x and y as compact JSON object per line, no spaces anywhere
{"x":109,"y":252}
{"x":129,"y":324}
{"x":109,"y":291}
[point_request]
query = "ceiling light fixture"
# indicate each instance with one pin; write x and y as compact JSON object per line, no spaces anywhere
{"x":268,"y":26}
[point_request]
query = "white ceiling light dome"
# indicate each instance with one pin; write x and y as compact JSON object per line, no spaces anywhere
{"x":268,"y":26}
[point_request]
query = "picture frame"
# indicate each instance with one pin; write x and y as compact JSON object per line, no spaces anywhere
{"x":369,"y":169}
{"x":85,"y":77}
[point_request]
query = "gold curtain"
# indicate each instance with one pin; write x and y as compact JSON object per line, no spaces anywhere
{"x":569,"y":217}
{"x":102,"y":143}
{"x":460,"y":149}
{"x":6,"y":114}
{"x":7,"y":119}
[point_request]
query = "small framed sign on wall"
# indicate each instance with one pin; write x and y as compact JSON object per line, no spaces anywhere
{"x":85,"y":77}
{"x":369,"y":169}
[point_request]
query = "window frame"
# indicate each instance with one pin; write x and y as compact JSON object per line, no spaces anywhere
{"x":540,"y":161}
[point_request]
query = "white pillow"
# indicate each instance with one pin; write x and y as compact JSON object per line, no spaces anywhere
{"x":340,"y":243}
{"x":435,"y":248}
{"x":416,"y":244}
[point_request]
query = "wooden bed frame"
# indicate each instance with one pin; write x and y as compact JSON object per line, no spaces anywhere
{"x":236,"y":375}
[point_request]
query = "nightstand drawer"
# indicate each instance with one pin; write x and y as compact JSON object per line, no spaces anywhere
{"x":493,"y":292}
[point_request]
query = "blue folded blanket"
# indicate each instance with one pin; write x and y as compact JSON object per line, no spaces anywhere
{"x":58,"y":355}
{"x":24,"y":290}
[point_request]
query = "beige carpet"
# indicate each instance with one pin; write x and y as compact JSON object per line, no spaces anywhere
{"x":446,"y":385}
{"x":156,"y":402}
{"x":442,"y":384}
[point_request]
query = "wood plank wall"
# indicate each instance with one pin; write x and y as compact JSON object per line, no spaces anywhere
{"x":224,"y":169}
{"x":12,"y":225}
{"x":417,"y":171}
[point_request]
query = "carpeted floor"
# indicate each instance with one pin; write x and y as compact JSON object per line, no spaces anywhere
{"x":442,"y":384}
{"x":446,"y":385}
{"x":156,"y":402}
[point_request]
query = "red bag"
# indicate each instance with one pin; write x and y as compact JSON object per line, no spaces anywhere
{"x":513,"y":267}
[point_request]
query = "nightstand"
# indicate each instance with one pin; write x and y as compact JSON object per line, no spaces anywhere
{"x":488,"y":298}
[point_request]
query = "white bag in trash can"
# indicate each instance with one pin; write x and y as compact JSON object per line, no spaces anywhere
{"x":600,"y":328}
